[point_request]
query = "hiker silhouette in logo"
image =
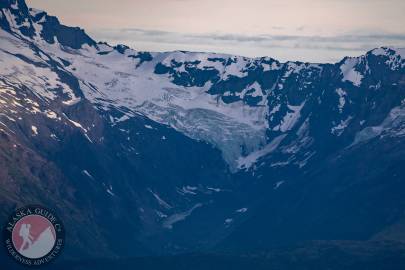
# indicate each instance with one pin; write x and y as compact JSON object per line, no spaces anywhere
{"x":26,"y":236}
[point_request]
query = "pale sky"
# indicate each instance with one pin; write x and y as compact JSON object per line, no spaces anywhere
{"x":305,"y":30}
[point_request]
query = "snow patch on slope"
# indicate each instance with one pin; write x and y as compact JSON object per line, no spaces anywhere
{"x":248,"y":161}
{"x":340,"y":128}
{"x":342,"y":101}
{"x":349,"y":72}
{"x":290,"y":119}
{"x":171,"y":220}
{"x":392,"y":125}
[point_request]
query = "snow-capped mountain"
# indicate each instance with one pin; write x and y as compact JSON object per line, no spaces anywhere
{"x":190,"y":149}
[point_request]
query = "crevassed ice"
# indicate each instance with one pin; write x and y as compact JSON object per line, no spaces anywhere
{"x":112,"y":80}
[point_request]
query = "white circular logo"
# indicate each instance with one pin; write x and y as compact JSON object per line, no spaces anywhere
{"x":34,"y":235}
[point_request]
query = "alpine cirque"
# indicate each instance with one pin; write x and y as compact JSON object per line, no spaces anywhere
{"x":250,"y":160}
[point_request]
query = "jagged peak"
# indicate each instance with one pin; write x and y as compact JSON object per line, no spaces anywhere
{"x":14,"y":4}
{"x":17,"y":18}
{"x":37,"y":15}
{"x":388,"y":51}
{"x":17,"y":8}
{"x":74,"y":37}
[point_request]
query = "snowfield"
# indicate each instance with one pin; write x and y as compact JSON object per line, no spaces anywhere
{"x":184,"y":90}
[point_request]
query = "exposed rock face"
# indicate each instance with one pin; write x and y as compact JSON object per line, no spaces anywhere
{"x":146,"y":153}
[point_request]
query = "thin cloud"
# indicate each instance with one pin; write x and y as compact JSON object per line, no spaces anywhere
{"x":308,"y":30}
{"x":343,"y":42}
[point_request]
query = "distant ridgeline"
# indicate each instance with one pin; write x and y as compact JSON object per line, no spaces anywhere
{"x":159,"y":153}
